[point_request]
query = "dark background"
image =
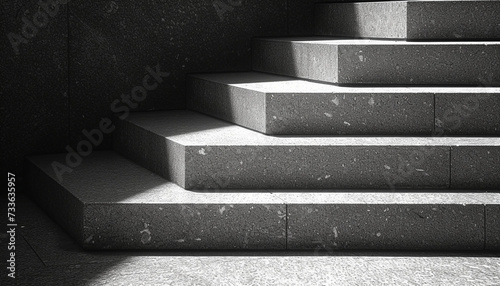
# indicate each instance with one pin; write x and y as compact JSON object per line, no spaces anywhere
{"x":65,"y":77}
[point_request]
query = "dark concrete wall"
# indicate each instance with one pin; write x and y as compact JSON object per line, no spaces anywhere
{"x":34,"y":95}
{"x":86,"y":54}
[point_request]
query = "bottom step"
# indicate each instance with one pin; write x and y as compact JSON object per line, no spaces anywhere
{"x":109,"y":202}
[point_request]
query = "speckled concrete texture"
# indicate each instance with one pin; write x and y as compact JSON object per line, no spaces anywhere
{"x":124,"y":206}
{"x":113,"y":42}
{"x":493,"y":226}
{"x":281,"y":105}
{"x":301,"y":16}
{"x":346,"y":61}
{"x":414,"y":20}
{"x":361,"y":20}
{"x":65,"y":263}
{"x":326,"y":167}
{"x":286,"y":106}
{"x":468,"y":114}
{"x":403,"y":227}
{"x":419,"y":220}
{"x":55,"y":198}
{"x":475,"y":167}
{"x":213,"y":154}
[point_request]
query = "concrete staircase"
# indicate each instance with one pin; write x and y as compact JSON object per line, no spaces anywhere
{"x":330,"y":143}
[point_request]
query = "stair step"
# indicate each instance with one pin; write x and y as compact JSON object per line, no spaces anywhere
{"x":280,"y":105}
{"x":380,"y":62}
{"x":415,"y":20}
{"x":200,"y":152}
{"x":108,"y":202}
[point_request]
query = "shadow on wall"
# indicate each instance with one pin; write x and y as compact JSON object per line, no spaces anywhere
{"x":89,"y":54}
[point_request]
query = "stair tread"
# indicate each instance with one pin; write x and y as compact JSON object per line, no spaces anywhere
{"x":379,"y":62}
{"x":271,"y":83}
{"x":195,"y":129}
{"x":321,"y":40}
{"x":107,"y":177}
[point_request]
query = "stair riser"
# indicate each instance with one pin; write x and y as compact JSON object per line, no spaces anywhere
{"x":241,"y":106}
{"x":386,"y":227}
{"x":467,"y":114}
{"x":416,"y":20}
{"x":306,"y":167}
{"x":59,"y":204}
{"x":151,"y":151}
{"x":409,"y":64}
{"x":185,"y":226}
{"x":475,"y":167}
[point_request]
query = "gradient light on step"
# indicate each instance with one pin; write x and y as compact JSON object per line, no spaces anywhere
{"x":380,"y":62}
{"x":108,"y":202}
{"x":280,"y":105}
{"x":414,"y":20}
{"x":121,"y":205}
{"x":401,"y":221}
{"x":200,"y":152}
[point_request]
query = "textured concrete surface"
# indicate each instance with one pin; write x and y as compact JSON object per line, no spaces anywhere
{"x":281,"y":105}
{"x":34,"y":92}
{"x":124,"y":206}
{"x":380,"y":62}
{"x":419,"y":220}
{"x":492,"y":226}
{"x":414,"y":20}
{"x":475,"y":167}
{"x":112,"y":43}
{"x":468,"y":114}
{"x":301,"y":16}
{"x":361,"y":20}
{"x":201,"y":152}
{"x":384,"y":226}
{"x":66,"y":264}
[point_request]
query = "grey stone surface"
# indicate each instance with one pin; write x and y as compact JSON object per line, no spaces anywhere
{"x":493,"y":226}
{"x":268,"y":269}
{"x":468,"y":114}
{"x":112,"y":43}
{"x":52,"y":244}
{"x":361,"y":20}
{"x":123,"y":206}
{"x":475,"y":167}
{"x":327,"y":167}
{"x":281,"y":105}
{"x":44,"y":187}
{"x":301,"y":16}
{"x":213,"y":154}
{"x":384,"y":226}
{"x":379,"y":62}
{"x":34,"y":98}
{"x":78,"y":267}
{"x":414,"y":20}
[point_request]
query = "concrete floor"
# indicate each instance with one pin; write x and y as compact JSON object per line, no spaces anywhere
{"x":46,"y":255}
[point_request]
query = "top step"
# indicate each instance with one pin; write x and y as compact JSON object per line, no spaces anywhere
{"x":412,"y":20}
